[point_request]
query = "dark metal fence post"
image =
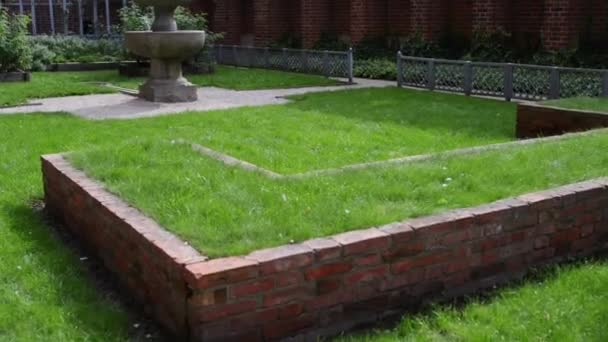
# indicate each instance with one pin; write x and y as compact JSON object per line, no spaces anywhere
{"x":266,"y":58}
{"x":399,"y":69}
{"x":430,"y":74}
{"x":605,"y":84}
{"x":468,"y":78}
{"x":304,"y":64}
{"x":508,"y":81}
{"x":219,"y":55}
{"x":285,"y":62}
{"x":554,"y":83}
{"x":351,"y":65}
{"x":326,"y":70}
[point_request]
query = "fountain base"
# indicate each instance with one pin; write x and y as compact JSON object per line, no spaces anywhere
{"x":172,"y":91}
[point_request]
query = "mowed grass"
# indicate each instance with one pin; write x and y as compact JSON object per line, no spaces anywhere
{"x":228,"y":211}
{"x":334,"y":129}
{"x":58,"y":84}
{"x":246,"y":79}
{"x":564,"y":304}
{"x":44,"y":292}
{"x":596,"y":104}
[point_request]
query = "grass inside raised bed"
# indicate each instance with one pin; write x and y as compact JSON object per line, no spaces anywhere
{"x":564,"y":304}
{"x":227,"y":211}
{"x":596,"y":104}
{"x":58,"y":84}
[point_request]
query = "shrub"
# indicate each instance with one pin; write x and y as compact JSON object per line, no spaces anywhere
{"x":15,"y":53}
{"x":64,"y":49}
{"x":42,"y":56}
{"x":494,"y":46}
{"x":331,"y":42}
{"x":378,"y":68}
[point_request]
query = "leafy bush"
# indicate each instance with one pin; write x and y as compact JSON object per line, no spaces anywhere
{"x":376,"y":68}
{"x":417,"y":46}
{"x":331,"y":42}
{"x":135,"y":18}
{"x":494,"y":46}
{"x":42,"y":56}
{"x":64,"y":49}
{"x":15,"y":53}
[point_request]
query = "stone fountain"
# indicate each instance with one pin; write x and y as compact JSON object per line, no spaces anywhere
{"x":167,"y":48}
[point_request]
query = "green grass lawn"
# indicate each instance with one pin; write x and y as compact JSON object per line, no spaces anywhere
{"x":596,"y":104}
{"x":566,"y":304}
{"x":44,"y":293}
{"x":56,"y":84}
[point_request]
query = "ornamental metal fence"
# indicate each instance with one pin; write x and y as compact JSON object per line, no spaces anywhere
{"x":511,"y":81}
{"x":326,"y":63}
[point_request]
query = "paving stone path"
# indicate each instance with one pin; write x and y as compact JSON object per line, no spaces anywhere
{"x":122,"y":106}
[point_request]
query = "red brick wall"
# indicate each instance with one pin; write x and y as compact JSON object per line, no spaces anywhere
{"x":398,"y":17}
{"x":325,"y":286}
{"x":562,"y":21}
{"x":489,"y":14}
{"x":537,"y":120}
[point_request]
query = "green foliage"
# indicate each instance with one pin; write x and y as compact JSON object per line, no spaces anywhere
{"x":377,"y":68}
{"x":331,"y":42}
{"x":491,"y":46}
{"x":42,"y":56}
{"x":135,"y":18}
{"x":288,"y":40}
{"x":65,"y":49}
{"x":417,"y":46}
{"x":15,"y":53}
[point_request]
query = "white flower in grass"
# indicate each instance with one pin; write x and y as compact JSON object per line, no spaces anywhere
{"x":444,"y":185}
{"x":284,"y":197}
{"x":346,"y":211}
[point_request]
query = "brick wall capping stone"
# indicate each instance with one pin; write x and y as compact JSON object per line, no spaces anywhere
{"x":306,"y":287}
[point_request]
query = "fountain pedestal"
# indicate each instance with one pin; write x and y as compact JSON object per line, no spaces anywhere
{"x":166,"y":83}
{"x":167,"y":48}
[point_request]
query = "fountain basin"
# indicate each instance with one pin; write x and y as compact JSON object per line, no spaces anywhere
{"x":170,"y":45}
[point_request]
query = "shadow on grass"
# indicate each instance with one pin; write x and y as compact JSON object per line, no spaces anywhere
{"x":75,"y":285}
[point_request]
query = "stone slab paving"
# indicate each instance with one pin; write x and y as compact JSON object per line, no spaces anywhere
{"x":122,"y":106}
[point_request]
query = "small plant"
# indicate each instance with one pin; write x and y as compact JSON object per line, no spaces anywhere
{"x":417,"y":45}
{"x":377,"y":68}
{"x":494,"y":46}
{"x":331,"y":41}
{"x":15,"y":53}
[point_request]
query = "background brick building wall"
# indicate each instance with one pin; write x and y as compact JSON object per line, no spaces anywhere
{"x":553,"y":24}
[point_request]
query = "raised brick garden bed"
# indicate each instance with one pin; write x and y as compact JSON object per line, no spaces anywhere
{"x":16,"y":76}
{"x":329,"y":285}
{"x":535,"y":120}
